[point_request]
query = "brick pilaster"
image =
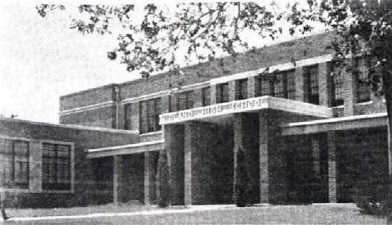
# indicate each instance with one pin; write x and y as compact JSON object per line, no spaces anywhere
{"x":232,"y":90}
{"x":35,"y":167}
{"x":253,"y":86}
{"x":323,"y":85}
{"x":299,"y":84}
{"x":117,"y":178}
{"x":263,"y":156}
{"x":188,"y":163}
{"x":147,"y":179}
{"x":349,"y":91}
{"x":197,"y":98}
{"x":213,"y":94}
{"x":332,"y":184}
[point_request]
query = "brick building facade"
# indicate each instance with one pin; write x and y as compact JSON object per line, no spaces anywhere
{"x":311,"y":137}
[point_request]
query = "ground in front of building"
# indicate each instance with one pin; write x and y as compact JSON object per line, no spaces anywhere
{"x":212,"y":214}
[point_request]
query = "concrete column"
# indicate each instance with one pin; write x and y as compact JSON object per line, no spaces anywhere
{"x":323,"y":78}
{"x":253,"y":86}
{"x":35,"y":167}
{"x":117,"y":178}
{"x":213,"y":93}
{"x":197,"y":98}
{"x":299,"y":84}
{"x":232,"y":90}
{"x":349,"y":93}
{"x":332,"y":184}
{"x":188,"y":164}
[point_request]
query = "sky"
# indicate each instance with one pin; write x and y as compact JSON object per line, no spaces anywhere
{"x":42,"y":59}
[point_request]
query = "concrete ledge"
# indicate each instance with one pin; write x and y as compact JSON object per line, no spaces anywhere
{"x":125,"y":149}
{"x":341,"y":123}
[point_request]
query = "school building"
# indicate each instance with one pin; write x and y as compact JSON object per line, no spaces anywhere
{"x":310,"y":136}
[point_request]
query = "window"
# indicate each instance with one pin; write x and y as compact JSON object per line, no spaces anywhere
{"x":337,"y":97}
{"x":185,"y":100}
{"x":280,"y":85}
{"x":149,"y":115}
{"x":128,"y":117}
{"x":242,"y":86}
{"x":311,"y":87}
{"x":56,"y":166}
{"x":223,"y":93}
{"x":206,"y":95}
{"x":363,"y":85}
{"x":181,"y":101}
{"x":14,"y":159}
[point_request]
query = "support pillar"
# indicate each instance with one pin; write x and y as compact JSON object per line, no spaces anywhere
{"x":117,"y":178}
{"x":188,"y":164}
{"x":332,"y":183}
{"x":263,"y":157}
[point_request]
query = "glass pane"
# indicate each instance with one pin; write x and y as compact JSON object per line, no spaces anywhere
{"x":21,"y":147}
{"x":63,"y":150}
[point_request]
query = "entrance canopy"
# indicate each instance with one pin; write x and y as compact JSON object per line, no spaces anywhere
{"x":125,"y":149}
{"x":247,"y":105}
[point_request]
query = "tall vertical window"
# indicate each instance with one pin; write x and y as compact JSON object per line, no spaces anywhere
{"x":128,"y":117}
{"x":223,"y":93}
{"x":206,"y":95}
{"x":337,"y":97}
{"x":280,"y":85}
{"x":311,"y":87}
{"x":149,"y":115}
{"x":56,"y":166}
{"x":242,"y":86}
{"x":265,"y":85}
{"x":14,"y":159}
{"x":185,"y":100}
{"x":363,"y":85}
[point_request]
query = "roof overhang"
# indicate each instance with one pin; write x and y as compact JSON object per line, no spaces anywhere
{"x":247,"y":105}
{"x":336,"y":124}
{"x":125,"y":149}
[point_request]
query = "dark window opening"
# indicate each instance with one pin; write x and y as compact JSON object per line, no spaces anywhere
{"x":149,"y":115}
{"x":56,"y":167}
{"x":206,"y":95}
{"x":242,"y":92}
{"x":363,"y":84}
{"x":223,"y":93}
{"x":14,"y":157}
{"x":280,"y":85}
{"x":311,"y":86}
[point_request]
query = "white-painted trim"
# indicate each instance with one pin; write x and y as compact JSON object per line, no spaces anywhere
{"x":365,"y":103}
{"x":71,"y":126}
{"x":338,"y":119}
{"x":279,"y":67}
{"x":144,"y":97}
{"x":125,"y":146}
{"x":151,"y":133}
{"x":87,"y":108}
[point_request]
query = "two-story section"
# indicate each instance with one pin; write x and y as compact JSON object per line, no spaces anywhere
{"x":309,"y":130}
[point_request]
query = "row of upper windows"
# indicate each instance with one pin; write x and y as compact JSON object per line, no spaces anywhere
{"x":14,"y":160}
{"x":282,"y":85}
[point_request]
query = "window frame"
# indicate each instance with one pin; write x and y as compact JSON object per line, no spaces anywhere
{"x":206,"y":96}
{"x":311,"y":84}
{"x":149,"y":117}
{"x":15,"y":158}
{"x":58,"y":159}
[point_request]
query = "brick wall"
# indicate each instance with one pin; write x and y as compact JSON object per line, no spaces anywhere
{"x":84,"y":174}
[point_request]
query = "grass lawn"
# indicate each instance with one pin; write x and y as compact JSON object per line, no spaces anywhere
{"x":309,"y":214}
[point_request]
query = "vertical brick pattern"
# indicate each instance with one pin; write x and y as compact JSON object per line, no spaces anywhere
{"x":299,"y":84}
{"x":174,"y":144}
{"x":213,"y":94}
{"x":253,"y":86}
{"x":197,"y":98}
{"x":332,"y":185}
{"x":135,"y":116}
{"x":117,"y":178}
{"x":323,"y":85}
{"x":35,"y":166}
{"x":233,"y":89}
{"x":349,"y":93}
{"x":147,"y":175}
{"x":188,"y":163}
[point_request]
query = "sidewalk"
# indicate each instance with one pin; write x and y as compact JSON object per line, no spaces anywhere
{"x":154,"y":211}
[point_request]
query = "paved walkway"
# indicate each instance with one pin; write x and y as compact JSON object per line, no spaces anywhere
{"x":157,"y":211}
